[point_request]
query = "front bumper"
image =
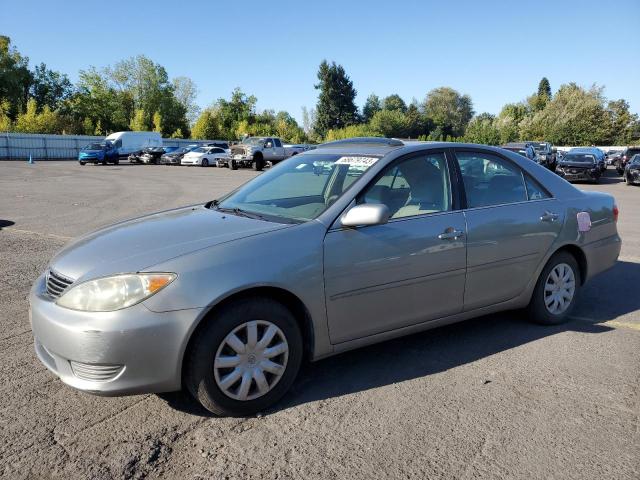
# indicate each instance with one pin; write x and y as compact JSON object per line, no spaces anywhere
{"x":579,"y":175}
{"x":129,"y":351}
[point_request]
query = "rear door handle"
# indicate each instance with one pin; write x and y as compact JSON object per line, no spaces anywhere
{"x":450,"y":234}
{"x":549,"y":217}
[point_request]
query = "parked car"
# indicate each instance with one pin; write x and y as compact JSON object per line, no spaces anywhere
{"x":136,"y":157}
{"x":174,"y":158}
{"x":127,"y":143}
{"x":255,"y":152}
{"x":625,"y":157}
{"x":596,"y":152}
{"x":546,"y":154}
{"x":632,"y":170}
{"x":153,"y":155}
{"x":220,"y":144}
{"x":391,"y":238}
{"x":204,"y":156}
{"x":98,"y":153}
{"x":613,"y":156}
{"x":576,"y":166}
{"x":523,"y":148}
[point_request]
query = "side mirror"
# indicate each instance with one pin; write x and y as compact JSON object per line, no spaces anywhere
{"x":365,"y":214}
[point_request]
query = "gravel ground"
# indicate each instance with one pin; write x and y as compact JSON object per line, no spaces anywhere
{"x":495,"y":397}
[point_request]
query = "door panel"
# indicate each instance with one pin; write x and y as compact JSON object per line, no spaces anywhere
{"x":385,"y":277}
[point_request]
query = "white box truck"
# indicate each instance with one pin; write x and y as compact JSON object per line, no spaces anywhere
{"x":126,"y":143}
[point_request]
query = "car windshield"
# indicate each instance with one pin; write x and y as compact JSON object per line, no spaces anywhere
{"x":540,"y":147}
{"x":635,"y":160}
{"x":253,"y":140}
{"x":94,"y":146}
{"x":579,"y":158}
{"x":298,"y":189}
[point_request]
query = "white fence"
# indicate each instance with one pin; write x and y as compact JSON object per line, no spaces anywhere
{"x":22,"y":146}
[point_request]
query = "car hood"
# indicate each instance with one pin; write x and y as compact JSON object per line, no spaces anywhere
{"x":138,"y":244}
{"x":193,"y":155}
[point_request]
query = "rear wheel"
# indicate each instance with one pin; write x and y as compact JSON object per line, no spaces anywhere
{"x":245,"y":359}
{"x":555,"y":292}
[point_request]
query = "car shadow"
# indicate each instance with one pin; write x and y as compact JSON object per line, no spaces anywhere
{"x":444,"y":348}
{"x":6,"y":223}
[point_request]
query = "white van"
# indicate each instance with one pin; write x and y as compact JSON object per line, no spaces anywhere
{"x":131,"y":142}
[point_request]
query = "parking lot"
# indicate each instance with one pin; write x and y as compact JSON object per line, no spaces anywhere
{"x":494,"y":397}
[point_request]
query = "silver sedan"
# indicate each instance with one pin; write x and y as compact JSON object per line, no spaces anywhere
{"x":352,"y":243}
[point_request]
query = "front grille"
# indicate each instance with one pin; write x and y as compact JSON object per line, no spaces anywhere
{"x":56,"y":283}
{"x":95,"y":373}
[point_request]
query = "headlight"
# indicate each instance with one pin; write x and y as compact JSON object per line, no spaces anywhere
{"x":114,"y":293}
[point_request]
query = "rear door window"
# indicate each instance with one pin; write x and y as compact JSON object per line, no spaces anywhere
{"x":490,"y":180}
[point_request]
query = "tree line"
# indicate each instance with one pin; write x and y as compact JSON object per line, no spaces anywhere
{"x":137,"y":94}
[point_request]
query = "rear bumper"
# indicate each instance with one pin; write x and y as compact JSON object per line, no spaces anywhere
{"x":602,"y":255}
{"x":129,"y":351}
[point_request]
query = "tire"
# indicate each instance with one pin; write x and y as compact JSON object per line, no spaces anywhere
{"x":83,"y":163}
{"x":537,"y":310}
{"x":258,"y":163}
{"x":201,"y":377}
{"x":626,"y":179}
{"x":116,"y":161}
{"x":233,"y":165}
{"x":204,"y":163}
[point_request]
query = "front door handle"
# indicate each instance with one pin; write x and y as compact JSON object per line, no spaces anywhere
{"x":450,"y":234}
{"x":549,"y":217}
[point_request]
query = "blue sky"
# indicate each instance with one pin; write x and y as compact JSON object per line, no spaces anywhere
{"x":495,"y":51}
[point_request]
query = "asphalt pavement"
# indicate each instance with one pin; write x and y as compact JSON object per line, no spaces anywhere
{"x":494,"y":397}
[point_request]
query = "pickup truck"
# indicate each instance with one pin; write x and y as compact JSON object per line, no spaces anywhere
{"x":257,"y":152}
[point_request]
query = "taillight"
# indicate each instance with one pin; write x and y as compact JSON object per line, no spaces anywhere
{"x":615,"y":213}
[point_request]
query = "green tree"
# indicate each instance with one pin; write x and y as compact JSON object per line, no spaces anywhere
{"x":207,"y":126}
{"x":49,"y":88}
{"x":575,"y":116}
{"x":351,"y":131}
{"x":32,"y":121}
{"x":448,"y":110}
{"x":508,"y":121}
{"x":157,"y":122}
{"x":371,"y":107}
{"x":5,"y":121}
{"x":394,"y":103}
{"x":623,"y":122}
{"x":482,"y":129}
{"x":138,"y":123}
{"x":186,"y":92}
{"x":389,"y":123}
{"x":544,"y":88}
{"x":15,"y":78}
{"x":336,"y":102}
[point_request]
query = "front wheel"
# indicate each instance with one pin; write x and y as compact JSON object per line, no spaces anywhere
{"x":245,"y":359}
{"x":556,"y":290}
{"x":233,"y":165}
{"x":258,"y":163}
{"x":83,"y":163}
{"x":204,"y":163}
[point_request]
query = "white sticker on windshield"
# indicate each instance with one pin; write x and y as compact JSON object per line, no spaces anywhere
{"x":357,"y":161}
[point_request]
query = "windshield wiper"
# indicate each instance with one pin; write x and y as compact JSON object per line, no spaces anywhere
{"x":239,"y":212}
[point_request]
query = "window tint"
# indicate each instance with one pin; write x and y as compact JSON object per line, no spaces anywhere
{"x":277,"y":142}
{"x":217,"y":150}
{"x":534,"y":189}
{"x":490,"y":180}
{"x":416,"y":186}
